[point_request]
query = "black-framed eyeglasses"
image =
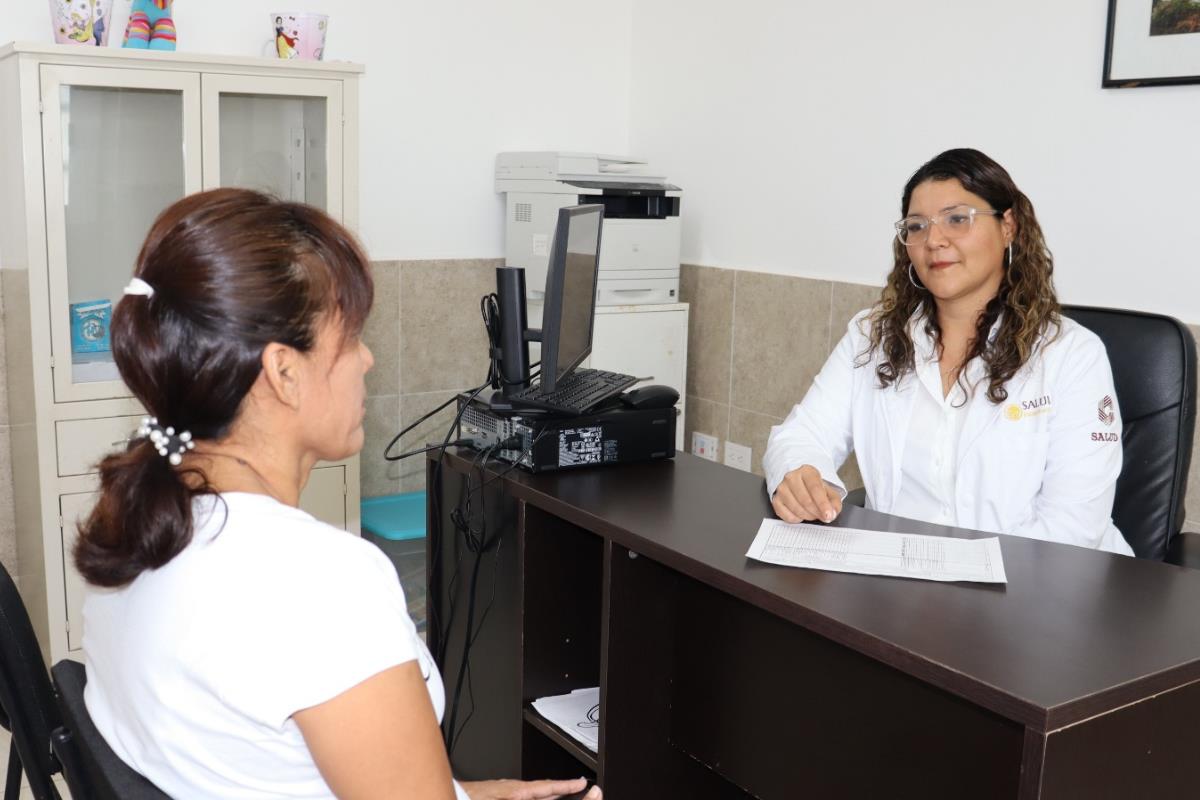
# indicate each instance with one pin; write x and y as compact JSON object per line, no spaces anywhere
{"x":955,"y":222}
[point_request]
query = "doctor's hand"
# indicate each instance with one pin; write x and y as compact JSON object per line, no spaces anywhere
{"x":803,"y":496}
{"x":527,"y":790}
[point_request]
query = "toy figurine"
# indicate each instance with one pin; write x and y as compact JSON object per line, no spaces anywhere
{"x":150,"y":26}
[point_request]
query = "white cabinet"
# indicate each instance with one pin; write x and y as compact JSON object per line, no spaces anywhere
{"x":94,"y":143}
{"x":326,"y":498}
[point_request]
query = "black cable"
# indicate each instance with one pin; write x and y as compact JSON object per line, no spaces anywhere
{"x":473,"y":540}
{"x":478,"y":630}
{"x":462,"y":522}
{"x":461,"y":517}
{"x":387,"y":450}
{"x":428,"y":448}
{"x":472,"y":636}
{"x":477,"y":542}
{"x":435,"y":516}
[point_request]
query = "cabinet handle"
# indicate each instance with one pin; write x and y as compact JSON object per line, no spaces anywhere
{"x":630,"y":291}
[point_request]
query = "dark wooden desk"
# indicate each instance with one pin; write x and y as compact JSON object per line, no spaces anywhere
{"x":721,"y":677}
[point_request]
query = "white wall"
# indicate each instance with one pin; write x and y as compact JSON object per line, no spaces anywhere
{"x":448,"y":85}
{"x":787,"y":124}
{"x":792,"y":127}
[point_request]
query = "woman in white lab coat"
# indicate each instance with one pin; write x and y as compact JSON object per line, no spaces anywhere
{"x":967,"y":397}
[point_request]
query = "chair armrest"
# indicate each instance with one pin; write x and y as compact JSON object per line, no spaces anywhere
{"x":1184,"y":550}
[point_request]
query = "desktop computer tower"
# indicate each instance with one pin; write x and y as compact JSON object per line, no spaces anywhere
{"x":615,"y":434}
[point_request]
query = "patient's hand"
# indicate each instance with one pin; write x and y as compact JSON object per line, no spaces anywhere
{"x":803,"y":495}
{"x":527,"y":790}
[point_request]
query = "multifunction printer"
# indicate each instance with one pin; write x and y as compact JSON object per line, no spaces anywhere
{"x":639,"y":244}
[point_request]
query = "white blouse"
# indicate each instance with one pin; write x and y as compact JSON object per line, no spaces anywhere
{"x":927,"y":470}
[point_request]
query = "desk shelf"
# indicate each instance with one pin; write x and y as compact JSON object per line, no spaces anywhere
{"x":552,"y":732}
{"x":561,"y":622}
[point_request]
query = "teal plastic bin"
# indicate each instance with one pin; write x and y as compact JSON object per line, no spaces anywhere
{"x":395,"y":523}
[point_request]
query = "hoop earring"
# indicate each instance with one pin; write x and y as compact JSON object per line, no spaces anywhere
{"x":912,"y":279}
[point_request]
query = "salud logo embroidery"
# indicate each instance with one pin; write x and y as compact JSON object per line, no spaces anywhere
{"x":1106,"y":413}
{"x":1027,"y":408}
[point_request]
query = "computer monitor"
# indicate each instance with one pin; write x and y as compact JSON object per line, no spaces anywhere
{"x":569,"y":310}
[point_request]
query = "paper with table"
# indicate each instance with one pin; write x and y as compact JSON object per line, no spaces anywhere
{"x":577,"y":713}
{"x":903,"y":555}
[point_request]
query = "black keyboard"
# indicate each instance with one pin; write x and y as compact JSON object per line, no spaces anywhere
{"x":578,"y":393}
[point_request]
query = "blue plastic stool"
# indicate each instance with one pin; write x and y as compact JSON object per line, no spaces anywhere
{"x":395,"y":523}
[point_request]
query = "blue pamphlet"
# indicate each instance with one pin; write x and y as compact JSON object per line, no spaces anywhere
{"x":89,"y":329}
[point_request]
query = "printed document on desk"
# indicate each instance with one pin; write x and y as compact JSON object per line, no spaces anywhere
{"x":902,"y":555}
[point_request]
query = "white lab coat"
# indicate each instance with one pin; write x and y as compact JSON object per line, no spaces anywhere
{"x":1042,"y":464}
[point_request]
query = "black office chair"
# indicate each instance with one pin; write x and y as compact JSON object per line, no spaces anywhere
{"x":1153,"y":359}
{"x":93,"y":770}
{"x":27,"y":705}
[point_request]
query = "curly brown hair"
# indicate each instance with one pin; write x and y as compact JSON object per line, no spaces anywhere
{"x":1026,"y":304}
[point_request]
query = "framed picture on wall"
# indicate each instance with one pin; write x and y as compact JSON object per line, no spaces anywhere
{"x":1152,"y":43}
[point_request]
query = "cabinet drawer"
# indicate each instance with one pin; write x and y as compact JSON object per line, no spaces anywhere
{"x":637,"y":292}
{"x":82,"y":443}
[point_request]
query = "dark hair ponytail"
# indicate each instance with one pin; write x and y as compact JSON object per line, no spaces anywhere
{"x":231,"y":270}
{"x":142,"y":521}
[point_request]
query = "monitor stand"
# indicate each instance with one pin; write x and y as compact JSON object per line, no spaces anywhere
{"x":515,"y":337}
{"x":501,"y":404}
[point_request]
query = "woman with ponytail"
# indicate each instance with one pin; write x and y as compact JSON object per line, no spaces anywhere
{"x":235,"y":646}
{"x":967,"y":397}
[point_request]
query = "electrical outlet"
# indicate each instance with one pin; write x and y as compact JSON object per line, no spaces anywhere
{"x":737,"y":456}
{"x":704,"y":445}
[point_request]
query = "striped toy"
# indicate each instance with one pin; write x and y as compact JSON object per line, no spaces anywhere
{"x":150,"y":26}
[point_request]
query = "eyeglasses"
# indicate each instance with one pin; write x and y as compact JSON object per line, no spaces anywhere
{"x":955,"y":223}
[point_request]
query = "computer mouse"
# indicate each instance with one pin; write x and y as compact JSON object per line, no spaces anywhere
{"x":657,"y":396}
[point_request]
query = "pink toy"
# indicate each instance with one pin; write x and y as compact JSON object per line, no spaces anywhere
{"x":300,"y":35}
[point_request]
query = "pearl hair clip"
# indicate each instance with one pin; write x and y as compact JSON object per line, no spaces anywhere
{"x":165,"y":440}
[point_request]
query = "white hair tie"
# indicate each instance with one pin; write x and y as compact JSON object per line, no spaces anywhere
{"x":139,"y":287}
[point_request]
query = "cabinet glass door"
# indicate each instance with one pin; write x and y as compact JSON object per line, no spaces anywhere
{"x":282,"y":136}
{"x":118,"y":147}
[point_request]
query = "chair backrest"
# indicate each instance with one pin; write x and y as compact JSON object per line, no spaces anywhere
{"x":92,"y":766}
{"x":1153,"y":359}
{"x":25,"y":692}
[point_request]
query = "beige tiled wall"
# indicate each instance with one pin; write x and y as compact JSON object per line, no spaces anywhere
{"x":427,"y":336}
{"x":756,"y":342}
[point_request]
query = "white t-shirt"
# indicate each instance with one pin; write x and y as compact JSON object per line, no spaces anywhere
{"x":195,"y":669}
